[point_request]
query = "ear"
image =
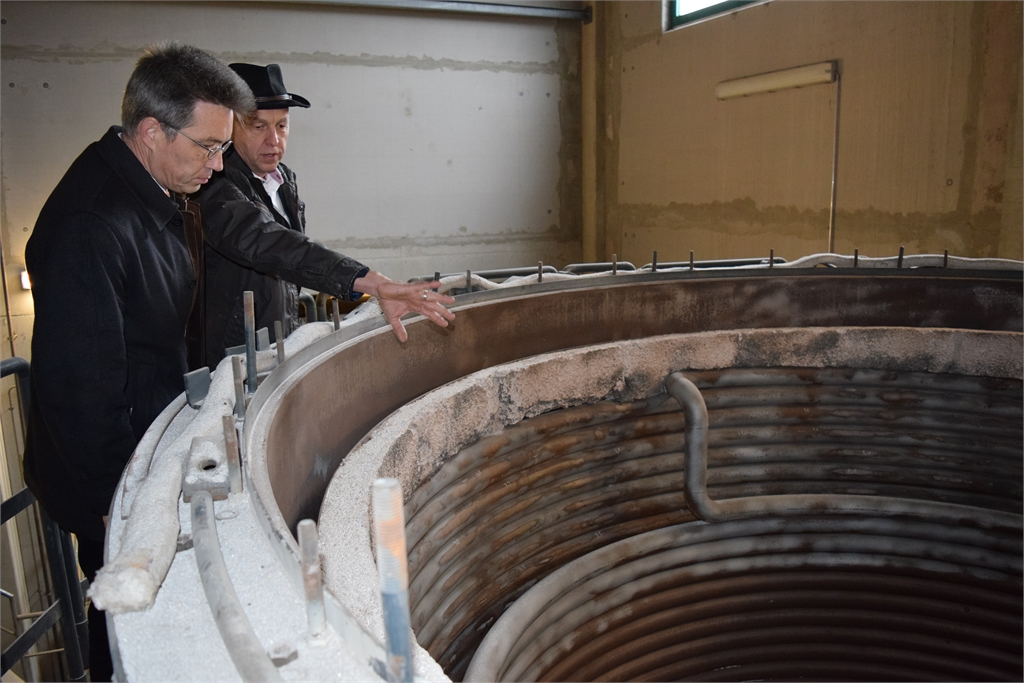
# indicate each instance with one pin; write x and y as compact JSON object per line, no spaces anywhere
{"x":150,"y":132}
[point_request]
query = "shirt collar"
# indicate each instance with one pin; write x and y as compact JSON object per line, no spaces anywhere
{"x":273,"y":180}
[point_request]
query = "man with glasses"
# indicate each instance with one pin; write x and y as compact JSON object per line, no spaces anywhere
{"x":255,"y":231}
{"x":115,"y":262}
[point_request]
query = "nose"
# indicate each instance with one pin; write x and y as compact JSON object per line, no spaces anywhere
{"x":217,"y":162}
{"x":273,"y":137}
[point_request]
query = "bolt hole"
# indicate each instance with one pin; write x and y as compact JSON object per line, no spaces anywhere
{"x":208,"y":465}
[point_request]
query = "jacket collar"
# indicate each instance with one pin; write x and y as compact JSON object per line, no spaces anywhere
{"x":136,"y":178}
{"x":235,"y":161}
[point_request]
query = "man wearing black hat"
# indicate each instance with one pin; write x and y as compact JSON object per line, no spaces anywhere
{"x":255,"y":233}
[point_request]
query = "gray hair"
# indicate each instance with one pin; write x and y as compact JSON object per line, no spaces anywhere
{"x":170,"y":79}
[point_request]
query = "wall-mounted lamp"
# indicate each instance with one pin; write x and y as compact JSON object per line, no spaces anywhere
{"x":26,"y":284}
{"x":797,"y":77}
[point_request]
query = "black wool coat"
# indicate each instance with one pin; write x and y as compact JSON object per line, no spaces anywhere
{"x":113,"y":285}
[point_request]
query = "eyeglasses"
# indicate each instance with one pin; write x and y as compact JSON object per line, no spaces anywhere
{"x":211,"y":152}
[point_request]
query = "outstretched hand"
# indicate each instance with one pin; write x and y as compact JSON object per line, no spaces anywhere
{"x":396,"y":299}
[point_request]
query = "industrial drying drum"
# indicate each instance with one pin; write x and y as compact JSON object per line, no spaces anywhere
{"x":850,"y":509}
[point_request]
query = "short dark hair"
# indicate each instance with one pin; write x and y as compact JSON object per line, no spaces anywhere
{"x":170,"y":78}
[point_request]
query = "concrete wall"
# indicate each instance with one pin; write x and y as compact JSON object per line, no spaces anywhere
{"x":435,"y":141}
{"x":929,"y":139}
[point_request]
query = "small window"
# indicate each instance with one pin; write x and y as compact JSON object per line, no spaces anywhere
{"x":684,"y":12}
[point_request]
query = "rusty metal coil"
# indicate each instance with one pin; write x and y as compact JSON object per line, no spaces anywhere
{"x":506,"y":512}
{"x":798,"y":597}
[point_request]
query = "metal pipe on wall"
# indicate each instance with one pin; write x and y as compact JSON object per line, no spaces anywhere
{"x":835,"y":166}
{"x":588,"y":83}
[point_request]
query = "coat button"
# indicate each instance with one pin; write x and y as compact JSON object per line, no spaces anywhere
{"x":176,"y":221}
{"x":192,"y":285}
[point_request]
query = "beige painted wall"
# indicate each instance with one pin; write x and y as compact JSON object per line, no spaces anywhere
{"x":929,"y":142}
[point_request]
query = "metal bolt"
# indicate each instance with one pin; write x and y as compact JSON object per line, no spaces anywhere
{"x":250,"y":342}
{"x":234,"y":457}
{"x":236,"y":370}
{"x":279,"y":335}
{"x":389,"y":539}
{"x":312,"y":583}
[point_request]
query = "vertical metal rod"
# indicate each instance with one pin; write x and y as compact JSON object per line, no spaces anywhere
{"x":250,"y":342}
{"x":335,"y":315}
{"x":312,"y":582}
{"x":61,"y":586}
{"x":540,"y":271}
{"x":14,"y":549}
{"x":615,"y":264}
{"x":899,"y":259}
{"x":236,"y":370}
{"x":234,"y":457}
{"x":835,"y":169}
{"x":437,"y":276}
{"x":691,"y":259}
{"x":77,"y":602}
{"x":389,"y":539}
{"x":654,"y":263}
{"x":856,"y":255}
{"x":279,"y":335}
{"x":945,"y":258}
{"x":469,"y":281}
{"x":771,"y":258}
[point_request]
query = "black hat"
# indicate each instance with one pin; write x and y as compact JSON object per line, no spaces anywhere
{"x":267,"y":85}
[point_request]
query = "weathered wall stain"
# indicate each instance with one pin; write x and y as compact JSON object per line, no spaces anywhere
{"x":862,"y":228}
{"x":70,"y":55}
{"x":554,"y":233}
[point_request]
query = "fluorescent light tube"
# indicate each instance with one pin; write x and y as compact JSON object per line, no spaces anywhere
{"x":798,"y":77}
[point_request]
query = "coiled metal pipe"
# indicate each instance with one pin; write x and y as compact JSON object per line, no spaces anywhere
{"x":488,"y":528}
{"x":696,"y":598}
{"x":695,"y":462}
